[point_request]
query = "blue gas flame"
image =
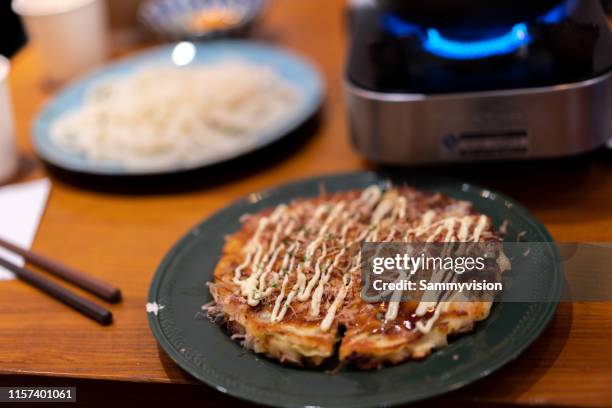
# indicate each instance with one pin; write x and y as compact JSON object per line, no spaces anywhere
{"x":517,"y":37}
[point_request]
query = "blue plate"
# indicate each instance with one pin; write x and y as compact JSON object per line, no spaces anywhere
{"x":168,"y":18}
{"x":294,"y":69}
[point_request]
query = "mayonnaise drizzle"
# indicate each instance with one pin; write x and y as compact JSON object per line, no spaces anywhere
{"x":344,"y":220}
{"x":331,"y":312}
{"x":447,"y":224}
{"x":315,"y":304}
{"x":305,"y":294}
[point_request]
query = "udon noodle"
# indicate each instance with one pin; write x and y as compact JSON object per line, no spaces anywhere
{"x":161,"y":117}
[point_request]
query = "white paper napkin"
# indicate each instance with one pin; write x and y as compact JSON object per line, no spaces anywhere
{"x":21,"y":208}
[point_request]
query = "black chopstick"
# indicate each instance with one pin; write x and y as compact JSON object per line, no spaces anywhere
{"x":89,"y":283}
{"x":85,"y":306}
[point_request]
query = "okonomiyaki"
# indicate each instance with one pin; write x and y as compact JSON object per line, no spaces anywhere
{"x":288,"y":282}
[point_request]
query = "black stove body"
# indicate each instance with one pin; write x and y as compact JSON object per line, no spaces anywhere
{"x":484,"y":80}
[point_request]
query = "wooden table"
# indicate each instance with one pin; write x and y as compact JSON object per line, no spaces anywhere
{"x":121,"y":232}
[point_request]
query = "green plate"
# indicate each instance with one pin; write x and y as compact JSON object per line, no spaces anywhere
{"x":204,"y":349}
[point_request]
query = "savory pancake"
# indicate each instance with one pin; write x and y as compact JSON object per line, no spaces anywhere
{"x":288,"y":282}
